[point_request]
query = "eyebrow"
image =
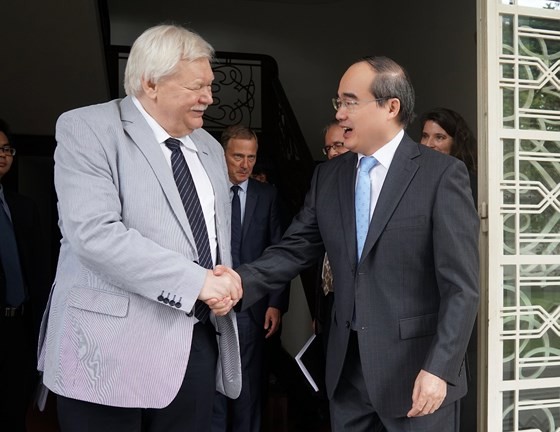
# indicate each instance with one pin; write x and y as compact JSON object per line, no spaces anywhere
{"x":350,"y":95}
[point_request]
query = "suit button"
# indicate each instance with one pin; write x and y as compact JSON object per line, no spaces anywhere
{"x":190,"y":314}
{"x":347,"y":324}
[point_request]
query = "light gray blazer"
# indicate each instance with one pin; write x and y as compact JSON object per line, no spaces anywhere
{"x":126,"y":240}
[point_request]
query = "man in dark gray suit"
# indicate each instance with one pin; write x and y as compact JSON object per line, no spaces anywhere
{"x":260,"y":226}
{"x":406,"y":287}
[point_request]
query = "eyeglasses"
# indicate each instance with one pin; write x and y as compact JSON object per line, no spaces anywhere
{"x":7,"y":150}
{"x":351,"y":104}
{"x":335,"y":145}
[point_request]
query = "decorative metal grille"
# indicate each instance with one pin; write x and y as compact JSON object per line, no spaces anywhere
{"x":237,"y":95}
{"x":529,"y":182}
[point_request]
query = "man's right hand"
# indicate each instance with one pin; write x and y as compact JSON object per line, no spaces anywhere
{"x":221,"y":290}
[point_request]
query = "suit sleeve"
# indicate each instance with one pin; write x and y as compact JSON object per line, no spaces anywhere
{"x":455,"y":239}
{"x":300,"y":247}
{"x":89,"y":182}
{"x":277,"y":299}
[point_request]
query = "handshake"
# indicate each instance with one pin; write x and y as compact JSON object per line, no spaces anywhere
{"x":222,"y":289}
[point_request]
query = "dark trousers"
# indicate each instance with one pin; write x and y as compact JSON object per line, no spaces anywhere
{"x":191,"y":410}
{"x":351,"y":408}
{"x":18,"y":370}
{"x":244,"y":413}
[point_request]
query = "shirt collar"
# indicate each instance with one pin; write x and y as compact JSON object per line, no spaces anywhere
{"x":243,"y":185}
{"x":160,"y":134}
{"x":385,"y":154}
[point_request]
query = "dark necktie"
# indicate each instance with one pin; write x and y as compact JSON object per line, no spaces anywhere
{"x":191,"y":203}
{"x":15,"y":291}
{"x":236,"y":227}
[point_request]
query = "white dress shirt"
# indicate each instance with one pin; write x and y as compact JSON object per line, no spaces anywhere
{"x":200,"y":177}
{"x":377,"y":175}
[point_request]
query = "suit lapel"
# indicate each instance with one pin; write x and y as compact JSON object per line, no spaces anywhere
{"x":214,"y":164}
{"x":346,"y":193}
{"x":401,"y":173}
{"x":142,"y":135}
{"x":250,"y":205}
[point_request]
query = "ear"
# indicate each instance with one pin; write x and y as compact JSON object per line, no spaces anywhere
{"x":394,"y":107}
{"x":150,"y":88}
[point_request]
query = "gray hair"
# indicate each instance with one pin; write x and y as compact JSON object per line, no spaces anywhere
{"x":392,"y":81}
{"x":157,"y":52}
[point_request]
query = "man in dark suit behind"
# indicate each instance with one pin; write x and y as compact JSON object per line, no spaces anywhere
{"x":261,"y":227}
{"x":23,"y":291}
{"x":406,"y":289}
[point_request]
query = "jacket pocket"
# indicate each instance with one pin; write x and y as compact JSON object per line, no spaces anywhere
{"x":404,"y":223}
{"x":99,"y":301}
{"x":423,"y":325}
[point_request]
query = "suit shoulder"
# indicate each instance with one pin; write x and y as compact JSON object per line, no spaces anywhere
{"x":262,"y":188}
{"x":203,"y":138}
{"x":94,"y":111}
{"x":334,"y":164}
{"x":437,"y":157}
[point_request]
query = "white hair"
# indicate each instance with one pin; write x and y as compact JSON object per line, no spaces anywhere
{"x":157,"y":52}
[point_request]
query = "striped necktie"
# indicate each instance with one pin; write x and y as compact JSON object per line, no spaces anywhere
{"x":191,"y":203}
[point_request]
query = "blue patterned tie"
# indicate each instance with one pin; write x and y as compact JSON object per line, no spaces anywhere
{"x":236,"y":227}
{"x":363,"y":201}
{"x":191,"y":203}
{"x":15,"y":290}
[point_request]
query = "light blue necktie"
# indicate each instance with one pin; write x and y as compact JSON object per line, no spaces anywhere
{"x":363,"y":201}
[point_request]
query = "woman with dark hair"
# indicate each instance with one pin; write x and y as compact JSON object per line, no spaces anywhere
{"x":446,"y":131}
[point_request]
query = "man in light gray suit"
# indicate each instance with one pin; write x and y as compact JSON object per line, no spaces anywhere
{"x":406,"y":287}
{"x":127,"y":342}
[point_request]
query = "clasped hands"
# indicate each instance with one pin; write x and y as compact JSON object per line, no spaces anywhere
{"x":222,"y":289}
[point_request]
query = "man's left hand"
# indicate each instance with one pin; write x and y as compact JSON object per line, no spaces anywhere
{"x":272,"y":320}
{"x":428,"y":394}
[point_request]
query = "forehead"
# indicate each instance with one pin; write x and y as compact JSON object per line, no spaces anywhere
{"x":199,"y":69}
{"x":241,"y":145}
{"x":357,"y":80}
{"x":335,"y":133}
{"x":3,"y":139}
{"x":433,"y":127}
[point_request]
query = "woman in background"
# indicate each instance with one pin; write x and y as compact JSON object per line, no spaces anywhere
{"x":446,"y":131}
